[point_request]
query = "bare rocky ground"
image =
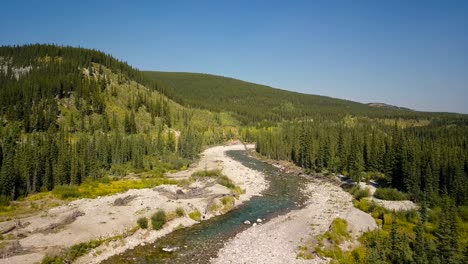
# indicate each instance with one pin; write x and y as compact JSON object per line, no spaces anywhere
{"x":86,"y":219}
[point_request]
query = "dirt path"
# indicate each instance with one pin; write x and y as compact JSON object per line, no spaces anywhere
{"x":278,"y":240}
{"x":86,"y":219}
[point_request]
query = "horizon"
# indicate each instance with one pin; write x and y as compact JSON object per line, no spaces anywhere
{"x":409,"y":55}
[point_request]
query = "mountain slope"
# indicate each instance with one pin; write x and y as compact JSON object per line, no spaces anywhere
{"x":254,"y":102}
{"x":69,"y":115}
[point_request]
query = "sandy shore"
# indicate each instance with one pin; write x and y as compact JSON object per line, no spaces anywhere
{"x":278,"y":240}
{"x":86,"y":219}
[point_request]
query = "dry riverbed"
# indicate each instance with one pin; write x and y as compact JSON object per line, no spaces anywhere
{"x":115,"y":216}
{"x":280,"y":240}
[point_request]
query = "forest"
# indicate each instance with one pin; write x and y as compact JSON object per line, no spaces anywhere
{"x":253,"y":103}
{"x":428,"y":161}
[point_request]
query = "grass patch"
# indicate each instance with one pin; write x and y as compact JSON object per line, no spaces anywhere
{"x":180,"y":212}
{"x":214,"y":207}
{"x":195,"y":215}
{"x":207,"y":173}
{"x":142,"y":222}
{"x":72,"y":253}
{"x":338,"y":232}
{"x":158,"y":220}
{"x":328,"y":245}
{"x":390,"y":194}
{"x":228,"y":203}
{"x":66,"y":191}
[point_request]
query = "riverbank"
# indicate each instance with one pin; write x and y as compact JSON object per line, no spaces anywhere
{"x":279,"y":240}
{"x":87,"y":219}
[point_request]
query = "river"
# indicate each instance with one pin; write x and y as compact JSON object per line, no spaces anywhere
{"x":199,"y":243}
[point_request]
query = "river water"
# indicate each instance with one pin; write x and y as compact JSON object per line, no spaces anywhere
{"x":200,"y":242}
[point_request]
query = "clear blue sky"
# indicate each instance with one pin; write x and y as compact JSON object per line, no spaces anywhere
{"x":407,"y":53}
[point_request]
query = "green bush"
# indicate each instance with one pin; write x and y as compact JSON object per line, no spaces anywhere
{"x":390,"y":194}
{"x":143,"y":222}
{"x":359,"y":193}
{"x":180,"y":212}
{"x":82,"y":249}
{"x":158,"y":220}
{"x":66,"y":191}
{"x":195,"y":215}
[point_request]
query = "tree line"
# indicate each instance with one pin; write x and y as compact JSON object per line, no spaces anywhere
{"x":425,"y":161}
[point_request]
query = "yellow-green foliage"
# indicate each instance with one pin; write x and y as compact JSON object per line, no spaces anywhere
{"x":329,"y":242}
{"x":66,"y":191}
{"x":365,"y":205}
{"x":338,"y":231}
{"x":228,"y":203}
{"x":93,"y":189}
{"x":304,"y":253}
{"x":195,"y":215}
{"x":214,"y":207}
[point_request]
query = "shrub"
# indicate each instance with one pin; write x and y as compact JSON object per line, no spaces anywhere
{"x":207,"y":173}
{"x":195,"y":215}
{"x":72,"y":253}
{"x":158,"y":220}
{"x":82,"y":249}
{"x":390,"y":194}
{"x":66,"y":191}
{"x":361,"y":193}
{"x":53,"y":260}
{"x":143,"y":222}
{"x":180,"y":212}
{"x":365,"y":205}
{"x":225,"y":181}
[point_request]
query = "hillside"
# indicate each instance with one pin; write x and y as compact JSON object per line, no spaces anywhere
{"x":254,"y":102}
{"x":71,"y":115}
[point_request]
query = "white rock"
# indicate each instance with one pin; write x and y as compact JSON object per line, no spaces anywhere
{"x":259,"y":220}
{"x":247,"y":222}
{"x":254,"y":224}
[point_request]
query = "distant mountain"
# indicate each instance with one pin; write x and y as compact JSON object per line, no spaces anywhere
{"x":384,"y":105}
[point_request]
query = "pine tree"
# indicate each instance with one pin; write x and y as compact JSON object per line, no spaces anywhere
{"x":420,"y":248}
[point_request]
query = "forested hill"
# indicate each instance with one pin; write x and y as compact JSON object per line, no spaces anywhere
{"x":253,"y":102}
{"x":69,"y":115}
